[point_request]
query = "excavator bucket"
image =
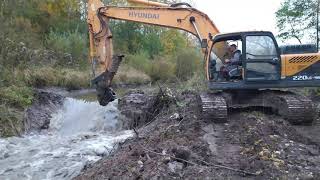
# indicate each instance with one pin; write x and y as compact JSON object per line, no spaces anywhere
{"x":102,"y":83}
{"x":104,"y":64}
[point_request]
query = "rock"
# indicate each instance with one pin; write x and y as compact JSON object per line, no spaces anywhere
{"x":175,"y":166}
{"x":37,"y":117}
{"x":176,"y":116}
{"x":181,"y":153}
{"x":312,"y":151}
{"x":166,"y":160}
{"x":102,"y":151}
{"x":140,"y":163}
{"x":6,"y":155}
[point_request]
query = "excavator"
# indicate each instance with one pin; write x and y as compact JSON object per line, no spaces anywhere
{"x":264,"y":75}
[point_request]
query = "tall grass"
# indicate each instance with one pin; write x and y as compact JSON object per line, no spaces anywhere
{"x":10,"y":121}
{"x":48,"y":76}
{"x":130,"y":75}
{"x":197,"y":83}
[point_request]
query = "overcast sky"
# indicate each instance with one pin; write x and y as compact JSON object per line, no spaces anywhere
{"x":241,"y":15}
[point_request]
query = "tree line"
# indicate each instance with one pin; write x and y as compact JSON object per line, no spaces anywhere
{"x":297,"y":19}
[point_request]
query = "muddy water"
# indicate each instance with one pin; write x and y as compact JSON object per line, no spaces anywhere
{"x":80,"y":133}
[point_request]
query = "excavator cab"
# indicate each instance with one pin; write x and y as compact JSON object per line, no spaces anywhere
{"x":263,"y":68}
{"x":260,"y":61}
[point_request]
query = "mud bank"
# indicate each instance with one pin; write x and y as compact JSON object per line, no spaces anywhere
{"x":177,"y":143}
{"x":37,"y":117}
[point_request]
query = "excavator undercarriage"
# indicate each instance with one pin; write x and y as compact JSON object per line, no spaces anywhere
{"x":296,"y":109}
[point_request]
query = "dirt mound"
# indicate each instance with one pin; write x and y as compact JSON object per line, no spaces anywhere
{"x":177,"y":143}
{"x":138,"y":108}
{"x":37,"y":117}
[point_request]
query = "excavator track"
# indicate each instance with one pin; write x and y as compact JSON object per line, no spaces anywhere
{"x":296,"y":109}
{"x":213,"y":107}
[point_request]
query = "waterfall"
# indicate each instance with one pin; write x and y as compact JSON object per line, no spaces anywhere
{"x":80,"y":133}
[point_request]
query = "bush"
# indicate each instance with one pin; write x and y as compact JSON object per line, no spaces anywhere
{"x":162,"y":70}
{"x":187,"y":64}
{"x":183,"y":66}
{"x":139,"y":61}
{"x":73,"y":43}
{"x":17,"y":55}
{"x":129,"y":75}
{"x":196,"y":83}
{"x":16,"y":96}
{"x":12,"y":54}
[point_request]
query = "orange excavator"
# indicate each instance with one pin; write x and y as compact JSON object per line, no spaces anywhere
{"x":263,"y":65}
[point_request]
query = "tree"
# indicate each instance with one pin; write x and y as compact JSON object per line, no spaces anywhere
{"x":173,"y":40}
{"x":297,"y":19}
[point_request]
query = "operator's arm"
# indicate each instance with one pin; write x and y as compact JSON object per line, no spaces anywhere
{"x":235,"y":60}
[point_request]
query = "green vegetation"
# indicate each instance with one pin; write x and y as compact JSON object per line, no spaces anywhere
{"x":10,"y":121}
{"x":16,"y":96}
{"x":297,"y":19}
{"x":196,"y":83}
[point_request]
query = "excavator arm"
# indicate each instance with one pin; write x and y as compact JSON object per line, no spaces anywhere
{"x":105,"y":64}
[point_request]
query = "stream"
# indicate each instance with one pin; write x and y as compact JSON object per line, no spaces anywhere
{"x":80,"y":133}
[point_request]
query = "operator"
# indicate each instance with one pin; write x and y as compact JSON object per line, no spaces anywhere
{"x":231,"y":65}
{"x":235,"y":59}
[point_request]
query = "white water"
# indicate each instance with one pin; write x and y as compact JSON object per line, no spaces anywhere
{"x":79,"y":134}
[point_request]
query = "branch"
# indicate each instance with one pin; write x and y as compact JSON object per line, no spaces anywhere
{"x":195,"y":164}
{"x":295,"y":36}
{"x":293,"y":31}
{"x":136,"y":132}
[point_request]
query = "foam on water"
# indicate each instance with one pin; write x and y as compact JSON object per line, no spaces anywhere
{"x":80,"y":133}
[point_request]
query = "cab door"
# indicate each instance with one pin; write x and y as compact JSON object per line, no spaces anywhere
{"x":262,"y":59}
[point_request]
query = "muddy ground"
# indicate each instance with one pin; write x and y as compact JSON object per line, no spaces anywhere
{"x":178,"y":144}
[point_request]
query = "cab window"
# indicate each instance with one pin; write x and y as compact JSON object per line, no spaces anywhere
{"x":260,"y":47}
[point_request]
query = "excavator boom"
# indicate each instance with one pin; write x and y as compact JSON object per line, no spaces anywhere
{"x":148,"y":3}
{"x":105,"y":64}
